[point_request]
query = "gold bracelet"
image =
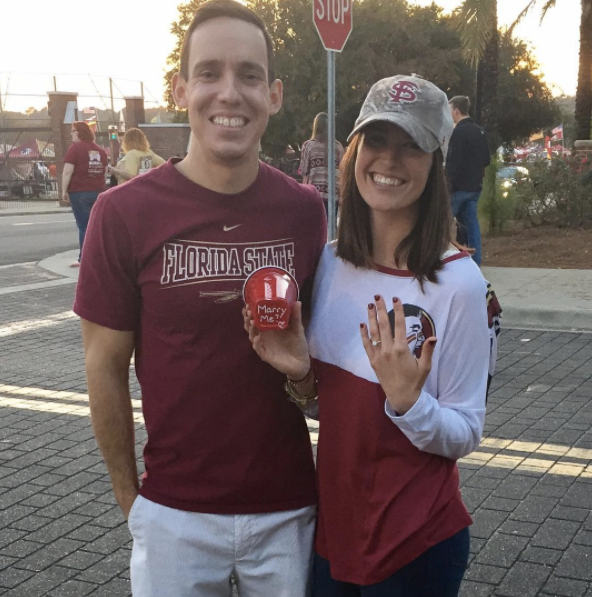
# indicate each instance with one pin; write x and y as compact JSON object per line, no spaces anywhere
{"x":294,"y":395}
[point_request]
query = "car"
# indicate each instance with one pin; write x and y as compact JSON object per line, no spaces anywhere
{"x":512,"y":176}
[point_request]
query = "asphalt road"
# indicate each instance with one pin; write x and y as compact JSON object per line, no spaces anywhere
{"x":36,"y":236}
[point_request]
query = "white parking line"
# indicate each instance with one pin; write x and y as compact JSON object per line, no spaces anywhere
{"x":37,"y":286}
{"x":27,"y":325}
{"x":45,"y":222}
{"x":24,"y":264}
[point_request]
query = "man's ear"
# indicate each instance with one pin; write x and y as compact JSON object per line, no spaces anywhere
{"x":179,"y":89}
{"x":276,"y":96}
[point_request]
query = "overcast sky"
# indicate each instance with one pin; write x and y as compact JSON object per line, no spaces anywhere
{"x":129,"y":41}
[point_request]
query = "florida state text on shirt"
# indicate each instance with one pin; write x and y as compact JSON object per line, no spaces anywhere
{"x":184,"y":261}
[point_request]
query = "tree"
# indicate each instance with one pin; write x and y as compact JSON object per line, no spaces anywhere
{"x":178,"y":28}
{"x":477,"y":23}
{"x":583,"y":110}
{"x":389,"y":37}
{"x":525,"y":102}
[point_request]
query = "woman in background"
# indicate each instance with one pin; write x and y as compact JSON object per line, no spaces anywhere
{"x":83,"y":177}
{"x":139,"y":158}
{"x":313,"y":161}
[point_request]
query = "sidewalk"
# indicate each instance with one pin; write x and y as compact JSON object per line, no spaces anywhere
{"x":543,"y":299}
{"x":539,"y":299}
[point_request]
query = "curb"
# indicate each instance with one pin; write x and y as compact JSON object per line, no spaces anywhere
{"x":60,"y":264}
{"x":559,"y":320}
{"x":34,"y":213}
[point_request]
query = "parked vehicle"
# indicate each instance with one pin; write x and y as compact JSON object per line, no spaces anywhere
{"x":512,"y":176}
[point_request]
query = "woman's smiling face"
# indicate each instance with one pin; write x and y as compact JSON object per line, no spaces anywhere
{"x":391,"y":169}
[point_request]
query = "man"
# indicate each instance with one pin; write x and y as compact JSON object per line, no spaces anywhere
{"x":468,"y":156}
{"x":229,"y":484}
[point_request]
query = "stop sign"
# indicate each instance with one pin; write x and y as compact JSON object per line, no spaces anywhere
{"x":333,"y":20}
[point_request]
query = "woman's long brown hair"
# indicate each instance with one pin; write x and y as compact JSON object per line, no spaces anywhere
{"x":423,"y":247}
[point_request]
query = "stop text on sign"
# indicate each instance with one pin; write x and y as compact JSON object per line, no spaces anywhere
{"x":332,"y":10}
{"x":333,"y":21}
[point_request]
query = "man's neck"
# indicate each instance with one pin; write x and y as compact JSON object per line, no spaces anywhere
{"x":221,"y":177}
{"x":462,"y":118}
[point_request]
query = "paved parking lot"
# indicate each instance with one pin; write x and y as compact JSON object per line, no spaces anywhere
{"x":529,"y":486}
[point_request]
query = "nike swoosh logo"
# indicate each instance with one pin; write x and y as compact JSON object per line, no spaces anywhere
{"x":229,"y":228}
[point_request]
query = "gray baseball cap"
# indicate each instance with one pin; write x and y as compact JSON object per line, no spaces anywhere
{"x":414,"y":104}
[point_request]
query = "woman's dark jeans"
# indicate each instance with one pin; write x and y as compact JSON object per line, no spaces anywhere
{"x":82,"y":202}
{"x":437,"y":572}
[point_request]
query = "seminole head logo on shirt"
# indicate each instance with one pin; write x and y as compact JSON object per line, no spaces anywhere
{"x":420,"y":326}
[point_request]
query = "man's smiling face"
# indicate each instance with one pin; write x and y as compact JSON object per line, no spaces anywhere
{"x":227,"y":94}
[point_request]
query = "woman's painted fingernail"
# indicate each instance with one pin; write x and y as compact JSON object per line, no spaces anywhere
{"x":377,"y":297}
{"x":395,"y":299}
{"x":362,"y":326}
{"x":371,"y":306}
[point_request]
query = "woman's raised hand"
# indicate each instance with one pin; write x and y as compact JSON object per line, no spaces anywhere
{"x":399,"y":372}
{"x":285,"y":350}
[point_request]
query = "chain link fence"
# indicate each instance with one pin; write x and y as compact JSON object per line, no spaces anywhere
{"x":28,"y":168}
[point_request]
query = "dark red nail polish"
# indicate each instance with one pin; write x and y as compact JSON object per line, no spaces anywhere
{"x":395,"y":299}
{"x":377,"y":297}
{"x":362,"y":326}
{"x":371,"y":306}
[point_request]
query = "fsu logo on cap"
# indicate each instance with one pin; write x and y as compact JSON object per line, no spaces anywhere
{"x":403,"y":92}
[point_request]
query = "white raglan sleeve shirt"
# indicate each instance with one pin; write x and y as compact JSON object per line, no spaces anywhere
{"x":449,"y":415}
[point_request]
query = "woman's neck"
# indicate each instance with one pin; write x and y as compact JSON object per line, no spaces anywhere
{"x":388,"y":232}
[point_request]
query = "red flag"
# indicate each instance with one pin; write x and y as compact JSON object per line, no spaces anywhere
{"x":558,"y":133}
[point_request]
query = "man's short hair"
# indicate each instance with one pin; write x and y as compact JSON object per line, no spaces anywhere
{"x":461,"y":103}
{"x":232,"y":10}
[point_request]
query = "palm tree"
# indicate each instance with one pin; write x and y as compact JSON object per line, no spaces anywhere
{"x":480,"y":40}
{"x":583,"y":114}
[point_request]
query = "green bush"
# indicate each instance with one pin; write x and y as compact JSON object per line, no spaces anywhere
{"x":556,"y":195}
{"x":497,"y":204}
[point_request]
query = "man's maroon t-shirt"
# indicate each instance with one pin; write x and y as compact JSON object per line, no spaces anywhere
{"x":167,"y":258}
{"x":89,"y":161}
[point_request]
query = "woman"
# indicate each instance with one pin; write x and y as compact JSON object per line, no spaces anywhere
{"x":313,"y":160}
{"x":139,"y":158}
{"x":397,"y":350}
{"x":83,"y":177}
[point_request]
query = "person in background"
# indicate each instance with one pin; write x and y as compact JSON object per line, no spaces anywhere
{"x":313,"y":160}
{"x":83,"y":177}
{"x":395,"y":359}
{"x":468,"y":156}
{"x":138,"y":158}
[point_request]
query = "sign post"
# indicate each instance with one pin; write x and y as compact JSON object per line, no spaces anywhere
{"x":333,"y":21}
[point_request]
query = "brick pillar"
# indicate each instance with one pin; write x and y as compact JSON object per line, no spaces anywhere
{"x":60,"y":131}
{"x":134,"y":112}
